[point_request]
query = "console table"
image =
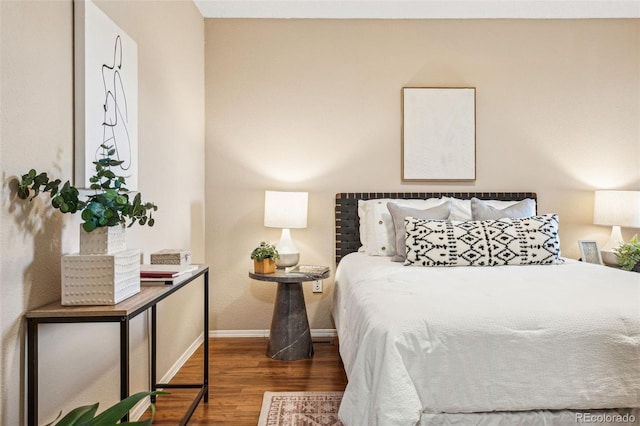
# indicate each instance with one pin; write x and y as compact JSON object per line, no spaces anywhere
{"x":121,"y":313}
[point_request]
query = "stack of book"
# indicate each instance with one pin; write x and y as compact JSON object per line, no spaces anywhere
{"x":164,"y":274}
{"x":315,"y":272}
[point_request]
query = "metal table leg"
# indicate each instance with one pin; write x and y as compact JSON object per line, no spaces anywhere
{"x":32,"y":369}
{"x":124,"y":361}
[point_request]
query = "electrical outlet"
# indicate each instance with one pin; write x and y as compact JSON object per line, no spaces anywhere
{"x":317,"y":286}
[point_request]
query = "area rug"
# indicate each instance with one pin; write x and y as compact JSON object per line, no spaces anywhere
{"x":300,"y":409}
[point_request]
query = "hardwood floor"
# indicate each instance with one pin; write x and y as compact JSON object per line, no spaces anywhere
{"x":239,"y":374}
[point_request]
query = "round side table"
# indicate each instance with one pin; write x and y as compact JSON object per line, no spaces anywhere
{"x":290,"y":337}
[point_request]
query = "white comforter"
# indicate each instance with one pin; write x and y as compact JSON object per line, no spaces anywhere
{"x":420,"y":340}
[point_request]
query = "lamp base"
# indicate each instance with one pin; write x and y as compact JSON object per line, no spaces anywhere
{"x":287,"y":260}
{"x":609,"y":258}
{"x":289,"y":255}
{"x":615,"y":240}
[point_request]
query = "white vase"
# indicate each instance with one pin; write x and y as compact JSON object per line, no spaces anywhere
{"x":105,"y":240}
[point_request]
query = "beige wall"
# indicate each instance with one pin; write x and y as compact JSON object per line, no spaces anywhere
{"x":79,"y":363}
{"x":314,"y":105}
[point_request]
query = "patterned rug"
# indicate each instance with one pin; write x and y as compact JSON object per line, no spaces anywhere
{"x":300,"y":409}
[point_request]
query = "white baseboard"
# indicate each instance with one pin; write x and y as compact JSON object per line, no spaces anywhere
{"x":317,"y":332}
{"x":180,"y":362}
{"x":139,"y":409}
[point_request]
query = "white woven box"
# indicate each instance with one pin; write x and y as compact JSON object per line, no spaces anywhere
{"x":171,"y":257}
{"x":100,"y":279}
{"x":104,"y":240}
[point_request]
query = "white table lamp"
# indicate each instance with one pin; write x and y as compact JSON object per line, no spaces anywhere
{"x":616,"y":209}
{"x":286,"y":210}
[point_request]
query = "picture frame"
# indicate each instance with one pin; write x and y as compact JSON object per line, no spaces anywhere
{"x":105,"y":94}
{"x":438,"y":134}
{"x":590,"y":252}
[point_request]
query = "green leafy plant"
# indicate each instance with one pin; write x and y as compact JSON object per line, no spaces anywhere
{"x":628,"y":254}
{"x":109,"y":205}
{"x":86,"y":415}
{"x":265,"y":251}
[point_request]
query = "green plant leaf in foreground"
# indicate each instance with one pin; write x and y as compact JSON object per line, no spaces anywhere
{"x":85,"y":415}
{"x":77,"y":416}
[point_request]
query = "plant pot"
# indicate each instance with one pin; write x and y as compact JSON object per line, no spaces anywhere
{"x":105,"y":240}
{"x":265,"y":266}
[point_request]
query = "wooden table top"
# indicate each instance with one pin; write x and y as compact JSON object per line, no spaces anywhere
{"x":128,"y":307}
{"x":280,"y":276}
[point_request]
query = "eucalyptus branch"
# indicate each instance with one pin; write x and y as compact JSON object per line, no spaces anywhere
{"x":109,"y":205}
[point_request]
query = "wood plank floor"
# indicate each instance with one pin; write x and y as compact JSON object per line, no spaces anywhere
{"x":240,"y":373}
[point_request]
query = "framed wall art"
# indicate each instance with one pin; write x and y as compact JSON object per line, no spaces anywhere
{"x":438,"y":134}
{"x":590,"y":251}
{"x":106,"y":94}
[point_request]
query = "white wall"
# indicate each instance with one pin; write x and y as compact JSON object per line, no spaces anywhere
{"x":79,"y":363}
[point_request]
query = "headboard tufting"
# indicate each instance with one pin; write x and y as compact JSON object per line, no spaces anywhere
{"x":348,"y":222}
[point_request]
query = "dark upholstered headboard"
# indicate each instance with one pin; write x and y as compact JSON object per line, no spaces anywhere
{"x":348,"y":222}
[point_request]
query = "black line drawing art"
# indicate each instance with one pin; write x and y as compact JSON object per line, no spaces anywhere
{"x":115,"y":128}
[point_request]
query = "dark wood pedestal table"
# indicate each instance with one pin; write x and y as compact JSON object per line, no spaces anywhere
{"x":290,"y":337}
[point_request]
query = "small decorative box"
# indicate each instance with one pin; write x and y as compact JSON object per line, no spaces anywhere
{"x":100,"y":279}
{"x":171,"y":257}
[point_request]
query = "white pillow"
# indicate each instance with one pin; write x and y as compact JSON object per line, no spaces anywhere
{"x":482,"y":210}
{"x":461,"y":209}
{"x":379,"y":229}
{"x":362,"y":214}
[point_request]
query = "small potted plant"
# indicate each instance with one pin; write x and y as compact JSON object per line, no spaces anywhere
{"x":264,"y":258}
{"x":628,"y":255}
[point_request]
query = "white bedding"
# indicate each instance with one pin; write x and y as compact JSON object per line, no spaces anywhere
{"x":417,"y":341}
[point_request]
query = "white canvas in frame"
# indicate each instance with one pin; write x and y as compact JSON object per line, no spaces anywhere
{"x":438,"y":133}
{"x":106,"y":93}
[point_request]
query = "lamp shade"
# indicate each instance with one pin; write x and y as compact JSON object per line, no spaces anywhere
{"x":617,"y":208}
{"x":285,"y":209}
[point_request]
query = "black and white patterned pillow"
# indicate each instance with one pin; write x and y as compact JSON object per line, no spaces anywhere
{"x":525,"y":241}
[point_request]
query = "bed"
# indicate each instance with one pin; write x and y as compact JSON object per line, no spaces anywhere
{"x":553,"y":342}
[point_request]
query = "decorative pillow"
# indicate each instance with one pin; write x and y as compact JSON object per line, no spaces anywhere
{"x":461,"y":209}
{"x":362,"y":215}
{"x":398,"y":214}
{"x":481,"y":210}
{"x":526,"y":241}
{"x":380,"y":238}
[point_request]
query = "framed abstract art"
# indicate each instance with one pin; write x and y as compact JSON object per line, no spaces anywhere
{"x":438,"y":134}
{"x":106,"y":94}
